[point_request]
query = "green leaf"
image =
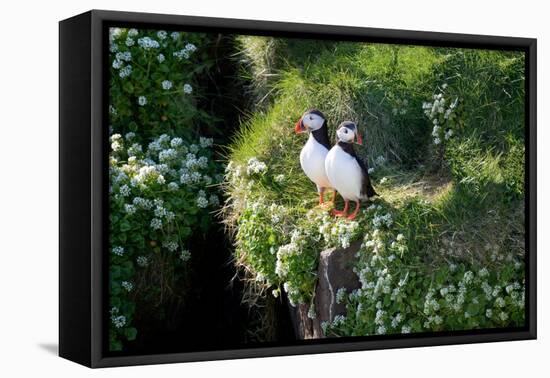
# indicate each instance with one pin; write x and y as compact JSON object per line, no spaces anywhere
{"x":115,"y":345}
{"x":128,"y":87}
{"x":125,"y":226}
{"x":133,"y":126}
{"x":131,"y":333}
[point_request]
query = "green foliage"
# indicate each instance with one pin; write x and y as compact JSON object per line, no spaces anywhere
{"x":444,"y":134}
{"x":154,"y":85}
{"x":405,"y":291}
{"x":162,"y":174}
{"x":159,"y":199}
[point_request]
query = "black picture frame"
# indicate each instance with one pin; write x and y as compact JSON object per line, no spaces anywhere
{"x":83,"y":154}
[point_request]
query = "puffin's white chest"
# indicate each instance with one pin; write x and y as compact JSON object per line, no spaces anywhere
{"x":312,"y":160}
{"x":344,"y":173}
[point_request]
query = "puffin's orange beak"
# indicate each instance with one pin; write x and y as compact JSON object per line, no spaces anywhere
{"x":359,"y":138}
{"x":299,"y":127}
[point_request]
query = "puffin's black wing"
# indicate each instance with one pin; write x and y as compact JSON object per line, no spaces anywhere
{"x":366,"y":186}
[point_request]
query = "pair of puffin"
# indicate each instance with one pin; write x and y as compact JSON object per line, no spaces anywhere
{"x":334,"y":167}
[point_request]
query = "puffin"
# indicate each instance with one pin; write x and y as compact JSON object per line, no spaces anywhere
{"x":314,"y":152}
{"x":347,"y":173}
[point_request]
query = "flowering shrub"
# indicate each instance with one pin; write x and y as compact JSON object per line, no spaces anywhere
{"x":160,"y":196}
{"x":154,"y":82}
{"x":402,"y":290}
{"x":162,"y":174}
{"x":401,"y":293}
{"x":443,"y":112}
{"x":268,"y":243}
{"x":283,"y":255}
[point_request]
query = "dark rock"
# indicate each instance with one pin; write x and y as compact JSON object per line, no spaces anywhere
{"x":335,"y":271}
{"x":304,"y":327}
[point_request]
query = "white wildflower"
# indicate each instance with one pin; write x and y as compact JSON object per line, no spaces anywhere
{"x":202,"y":202}
{"x":142,"y":100}
{"x":341,"y":295}
{"x":156,"y":224}
{"x":181,"y":54}
{"x":125,"y":56}
{"x":142,"y":261}
{"x":255,"y":166}
{"x":167,"y":155}
{"x":213,"y":200}
{"x":338,"y":320}
{"x":119,"y":251}
{"x":170,"y":245}
{"x":161,"y":34}
{"x":125,"y":190}
{"x":166,"y":85}
{"x":118,"y":321}
{"x":205,"y":142}
{"x":396,"y":320}
{"x":117,"y":64}
{"x":148,"y":43}
{"x":129,"y":209}
{"x":125,"y":72}
{"x":176,"y":142}
{"x":381,"y":330}
{"x":127,"y":285}
{"x":185,"y":255}
{"x":468,"y":277}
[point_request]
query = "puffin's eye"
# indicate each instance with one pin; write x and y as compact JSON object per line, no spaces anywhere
{"x":311,"y":118}
{"x":346,"y":131}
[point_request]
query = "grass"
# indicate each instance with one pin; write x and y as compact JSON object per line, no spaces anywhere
{"x":461,"y":203}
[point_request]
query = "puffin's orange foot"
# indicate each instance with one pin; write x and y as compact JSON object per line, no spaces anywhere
{"x":342,"y":213}
{"x":321,"y":197}
{"x":338,"y":213}
{"x":355,"y":212}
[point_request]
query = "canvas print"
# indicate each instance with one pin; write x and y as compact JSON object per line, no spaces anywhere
{"x":267,"y":190}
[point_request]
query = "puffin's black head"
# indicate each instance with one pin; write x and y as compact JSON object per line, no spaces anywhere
{"x":347,"y":132}
{"x":311,"y":120}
